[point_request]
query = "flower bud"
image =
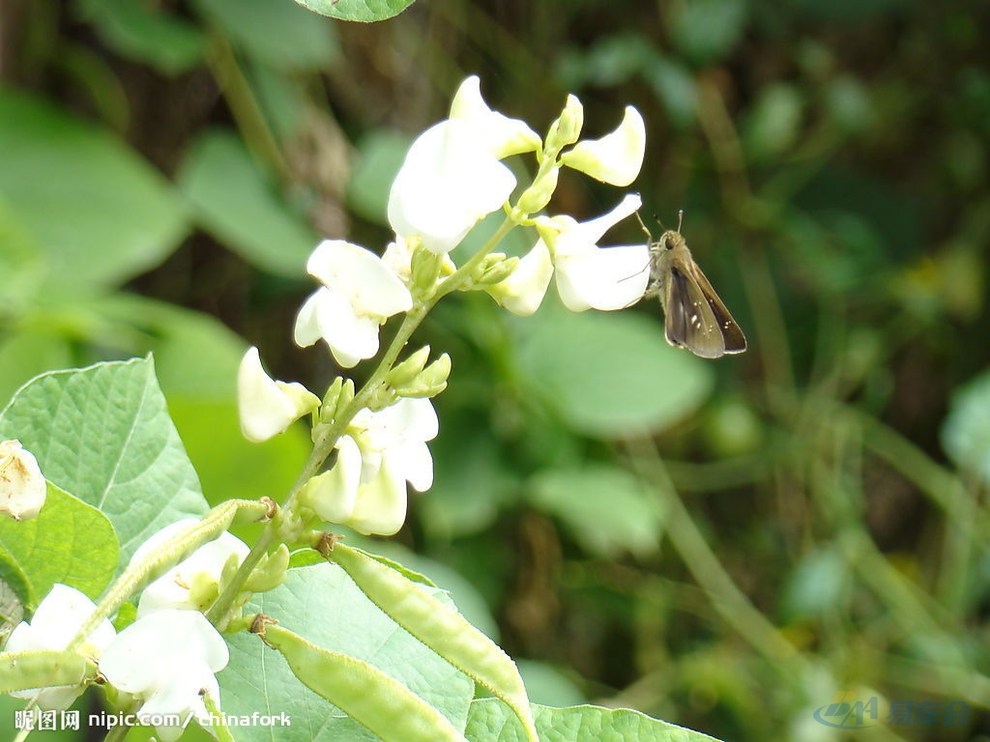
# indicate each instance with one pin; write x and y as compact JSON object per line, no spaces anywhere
{"x":270,"y":572}
{"x":408,"y":370}
{"x":329,"y":405}
{"x":432,"y":381}
{"x":424,"y":270}
{"x":22,"y":485}
{"x":567,"y":128}
{"x":537,"y":196}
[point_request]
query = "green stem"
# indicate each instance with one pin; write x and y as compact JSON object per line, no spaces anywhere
{"x":244,"y":107}
{"x":727,"y":599}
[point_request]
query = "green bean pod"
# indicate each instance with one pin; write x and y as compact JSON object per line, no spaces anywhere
{"x":440,"y":627}
{"x":362,"y":691}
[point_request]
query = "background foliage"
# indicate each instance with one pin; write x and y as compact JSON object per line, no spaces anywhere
{"x":729,"y":546}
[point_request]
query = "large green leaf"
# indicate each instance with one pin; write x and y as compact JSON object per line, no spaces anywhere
{"x":100,"y":214}
{"x":357,"y":10}
{"x":324,"y":606}
{"x":491,"y":720}
{"x":104,"y":434}
{"x":239,"y":205}
{"x":609,"y":374}
{"x":606,"y":508}
{"x":146,"y":32}
{"x":69,"y":542}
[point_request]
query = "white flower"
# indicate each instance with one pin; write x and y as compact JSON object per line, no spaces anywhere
{"x":360,"y":292}
{"x":523,"y":291}
{"x":452,"y":176}
{"x":168,"y":659}
{"x":58,"y":618}
{"x":192,"y":584}
{"x":267,"y":407}
{"x":589,"y":276}
{"x":366,"y":488}
{"x":615,"y":158}
{"x":22,"y":485}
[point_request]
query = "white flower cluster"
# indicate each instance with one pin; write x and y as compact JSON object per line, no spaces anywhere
{"x":452,"y":177}
{"x":168,"y":658}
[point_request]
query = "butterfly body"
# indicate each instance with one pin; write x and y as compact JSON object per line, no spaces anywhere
{"x":694,"y":316}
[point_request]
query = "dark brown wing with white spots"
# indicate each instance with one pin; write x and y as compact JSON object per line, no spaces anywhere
{"x":689,"y":320}
{"x":732,"y":335}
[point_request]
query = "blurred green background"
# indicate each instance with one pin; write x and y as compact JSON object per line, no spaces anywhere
{"x":735,"y":546}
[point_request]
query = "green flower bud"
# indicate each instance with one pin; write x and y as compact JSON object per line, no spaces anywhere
{"x":270,"y":572}
{"x":537,"y":196}
{"x":431,"y":381}
{"x":424,"y":270}
{"x":409,"y":368}
{"x":329,"y":407}
{"x":567,"y":128}
{"x":498,"y":272}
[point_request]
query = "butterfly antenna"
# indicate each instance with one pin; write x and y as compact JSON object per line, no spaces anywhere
{"x":680,"y":219}
{"x":647,"y":231}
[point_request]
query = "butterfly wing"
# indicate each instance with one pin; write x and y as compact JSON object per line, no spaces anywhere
{"x":733,"y":339}
{"x":689,"y":320}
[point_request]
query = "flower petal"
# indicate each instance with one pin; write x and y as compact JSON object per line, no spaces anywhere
{"x":356,"y":273}
{"x":447,"y":183}
{"x":381,"y":504}
{"x":497,"y":133}
{"x":523,"y":291}
{"x":581,"y":237}
{"x":604,"y":278}
{"x":615,"y":158}
{"x":333,"y":494}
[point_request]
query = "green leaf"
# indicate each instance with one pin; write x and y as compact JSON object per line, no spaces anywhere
{"x":606,"y":508}
{"x":366,"y":11}
{"x":277,"y":34}
{"x":773,"y":123}
{"x":128,"y":221}
{"x":147,"y":33}
{"x":966,"y":430}
{"x":24,"y":355}
{"x":238,"y":204}
{"x":196,"y":355}
{"x":104,"y":434}
{"x":609,"y":374}
{"x":707,"y":30}
{"x":674,"y":86}
{"x":324,"y":606}
{"x":548,"y":685}
{"x":371,"y":697}
{"x":380,"y":155}
{"x":69,"y":542}
{"x":491,"y":719}
{"x":439,"y":627}
{"x":23,"y":264}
